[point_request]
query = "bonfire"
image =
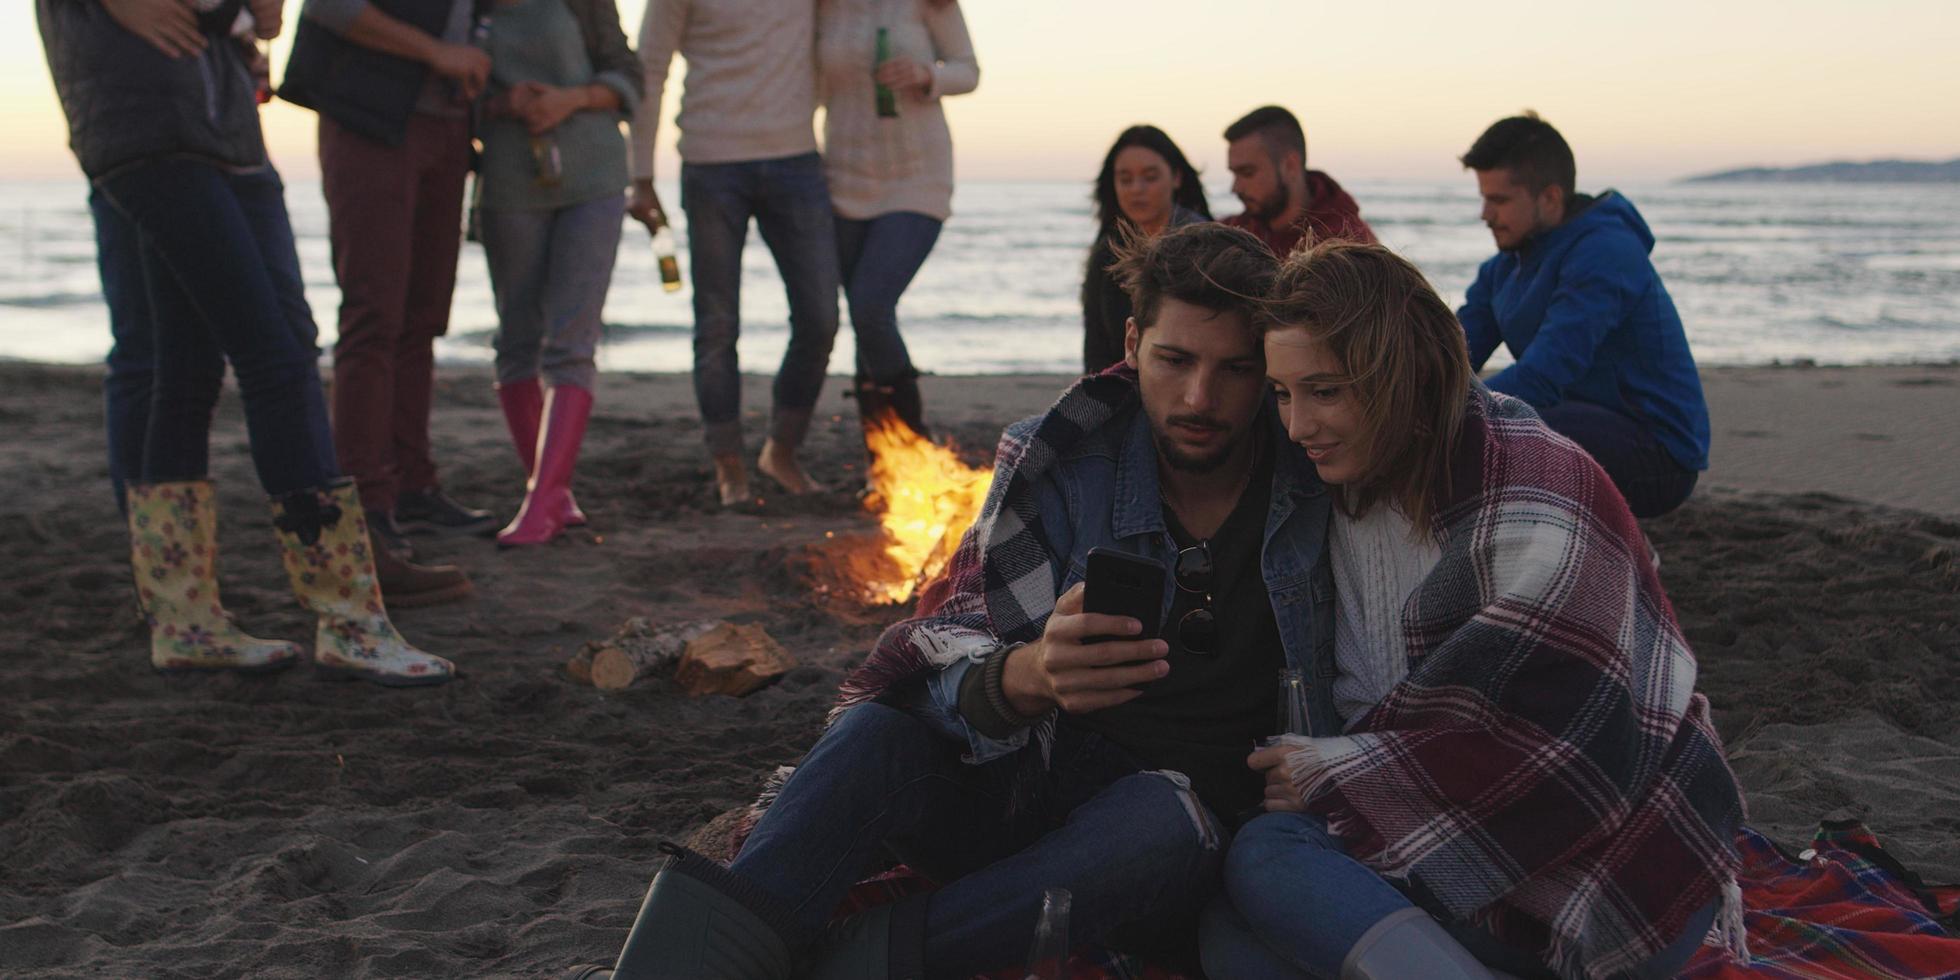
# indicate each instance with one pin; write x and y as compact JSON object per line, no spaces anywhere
{"x":924,"y":498}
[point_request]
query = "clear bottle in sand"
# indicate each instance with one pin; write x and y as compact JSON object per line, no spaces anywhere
{"x":667,"y":257}
{"x":1048,"y":956}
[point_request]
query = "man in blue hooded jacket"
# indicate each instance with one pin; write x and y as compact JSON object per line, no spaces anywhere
{"x":1599,"y":348}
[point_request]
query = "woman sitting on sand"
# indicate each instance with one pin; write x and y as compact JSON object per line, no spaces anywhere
{"x":1522,"y":775}
{"x":1145,"y":186}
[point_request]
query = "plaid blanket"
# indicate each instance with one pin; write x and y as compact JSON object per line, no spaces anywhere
{"x":999,"y":587}
{"x":1844,"y":909}
{"x":1546,"y":769}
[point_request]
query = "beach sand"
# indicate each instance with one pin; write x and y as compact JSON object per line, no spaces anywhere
{"x":505,"y":824}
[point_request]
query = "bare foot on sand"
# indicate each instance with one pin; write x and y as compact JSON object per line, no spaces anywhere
{"x":731,"y":480}
{"x":779,"y":462}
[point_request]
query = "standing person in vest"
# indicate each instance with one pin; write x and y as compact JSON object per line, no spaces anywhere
{"x":199,"y":271}
{"x":553,"y":183}
{"x":747,"y":151}
{"x":889,"y":159}
{"x":392,"y":81}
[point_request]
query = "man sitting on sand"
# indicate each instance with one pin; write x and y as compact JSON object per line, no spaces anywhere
{"x":1285,"y":203}
{"x":1572,"y":293}
{"x":991,"y":743}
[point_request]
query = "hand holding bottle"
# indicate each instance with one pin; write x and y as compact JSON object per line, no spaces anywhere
{"x":644,"y":205}
{"x":902,"y":73}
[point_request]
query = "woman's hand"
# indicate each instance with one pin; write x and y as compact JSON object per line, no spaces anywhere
{"x":169,"y":25}
{"x":901,"y":74}
{"x":1281,"y":797}
{"x":543,"y":107}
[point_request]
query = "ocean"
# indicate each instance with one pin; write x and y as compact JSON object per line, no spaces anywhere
{"x":1762,"y":273}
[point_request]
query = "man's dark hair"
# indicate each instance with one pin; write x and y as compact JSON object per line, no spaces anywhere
{"x":1535,"y":154}
{"x":1219,"y":268}
{"x":1280,"y":129}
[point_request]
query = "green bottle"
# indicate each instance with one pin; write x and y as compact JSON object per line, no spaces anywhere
{"x":887,"y":99}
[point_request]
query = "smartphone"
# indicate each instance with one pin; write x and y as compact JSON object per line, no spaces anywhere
{"x":1122,"y":584}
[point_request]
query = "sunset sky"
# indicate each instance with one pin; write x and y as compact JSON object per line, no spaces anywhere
{"x":1644,"y":91}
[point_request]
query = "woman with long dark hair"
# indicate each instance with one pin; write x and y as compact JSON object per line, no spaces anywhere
{"x":1521,"y":775}
{"x":1145,"y":186}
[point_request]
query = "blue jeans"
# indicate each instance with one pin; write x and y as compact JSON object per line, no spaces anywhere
{"x":878,"y":259}
{"x":791,"y":206}
{"x":129,"y":386}
{"x":1650,"y":479}
{"x":1139,"y":853}
{"x":219,"y":282}
{"x":550,"y":270}
{"x":1295,"y":903}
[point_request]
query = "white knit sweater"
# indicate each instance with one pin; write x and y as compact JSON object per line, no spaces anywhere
{"x":1376,"y":567}
{"x":751,"y":79}
{"x":877,"y":166}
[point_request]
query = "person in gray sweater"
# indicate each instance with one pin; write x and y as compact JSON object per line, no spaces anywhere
{"x":551,"y":191}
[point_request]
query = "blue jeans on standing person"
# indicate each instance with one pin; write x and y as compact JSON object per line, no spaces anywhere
{"x":790,"y":203}
{"x":127,"y":389}
{"x":550,"y":269}
{"x":219,"y":281}
{"x":1295,"y":903}
{"x":878,"y":259}
{"x":1137,"y":851}
{"x":1650,"y":479}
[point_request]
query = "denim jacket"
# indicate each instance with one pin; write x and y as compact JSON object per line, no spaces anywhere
{"x":1104,"y":493}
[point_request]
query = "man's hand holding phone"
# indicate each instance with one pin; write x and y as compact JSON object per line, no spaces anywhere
{"x":1061,"y":671}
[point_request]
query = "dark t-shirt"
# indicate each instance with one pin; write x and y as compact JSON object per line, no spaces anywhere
{"x":1204,"y":716}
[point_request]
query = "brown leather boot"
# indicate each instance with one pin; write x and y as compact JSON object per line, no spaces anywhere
{"x":407,"y":585}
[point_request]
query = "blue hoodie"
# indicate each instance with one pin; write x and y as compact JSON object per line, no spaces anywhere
{"x":1586,"y":316}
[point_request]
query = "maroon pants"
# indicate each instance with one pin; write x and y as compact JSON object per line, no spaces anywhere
{"x":394,"y":216}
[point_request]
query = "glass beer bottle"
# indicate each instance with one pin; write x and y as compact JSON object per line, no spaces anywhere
{"x":887,"y":99}
{"x":667,"y":258}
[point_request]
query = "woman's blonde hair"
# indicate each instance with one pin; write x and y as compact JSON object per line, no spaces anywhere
{"x":1403,"y":353}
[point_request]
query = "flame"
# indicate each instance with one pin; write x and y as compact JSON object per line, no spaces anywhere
{"x":925,"y":499}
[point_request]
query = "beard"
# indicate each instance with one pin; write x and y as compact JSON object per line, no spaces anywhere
{"x":1271,"y":208}
{"x":1185,"y":461}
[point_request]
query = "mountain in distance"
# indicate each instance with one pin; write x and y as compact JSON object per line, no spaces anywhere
{"x":1842,"y":172}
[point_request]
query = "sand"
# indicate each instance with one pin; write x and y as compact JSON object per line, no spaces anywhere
{"x":505,"y":824}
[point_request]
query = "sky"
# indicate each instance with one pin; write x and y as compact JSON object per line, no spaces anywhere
{"x":1387,"y":90}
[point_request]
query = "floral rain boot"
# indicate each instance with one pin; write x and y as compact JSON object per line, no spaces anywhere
{"x":173,"y":538}
{"x":331,"y":566}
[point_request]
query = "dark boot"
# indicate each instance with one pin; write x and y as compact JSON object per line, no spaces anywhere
{"x":431,"y":511}
{"x":887,"y":942}
{"x":910,"y":406}
{"x":407,"y":585}
{"x":702,"y":922}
